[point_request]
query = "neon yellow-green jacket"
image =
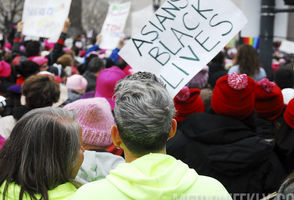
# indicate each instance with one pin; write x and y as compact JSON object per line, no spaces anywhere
{"x":153,"y":177}
{"x":62,"y":192}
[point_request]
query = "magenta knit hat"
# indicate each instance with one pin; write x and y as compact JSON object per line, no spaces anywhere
{"x":106,"y":82}
{"x":39,"y":60}
{"x":96,"y":120}
{"x":5,"y":69}
{"x":76,"y":82}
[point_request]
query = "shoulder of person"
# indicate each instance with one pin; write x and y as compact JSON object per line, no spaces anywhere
{"x":101,"y":190}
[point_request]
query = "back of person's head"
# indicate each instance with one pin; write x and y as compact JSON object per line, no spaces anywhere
{"x":143,"y":113}
{"x":28,"y":68}
{"x":42,"y":152}
{"x":247,"y":59}
{"x":33,"y":48}
{"x":40,"y":91}
{"x":5,"y":69}
{"x":286,"y":191}
{"x":106,"y":82}
{"x":213,"y":77}
{"x":76,"y":83}
{"x":187,"y":102}
{"x":65,"y":60}
{"x":289,"y":114}
{"x":218,"y":59}
{"x":284,"y":77}
{"x":269,"y":102}
{"x":95,"y":65}
{"x":200,"y":80}
{"x":96,"y":120}
{"x":234,"y":96}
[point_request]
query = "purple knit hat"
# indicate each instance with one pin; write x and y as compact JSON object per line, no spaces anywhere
{"x":106,"y":82}
{"x":199,"y":80}
{"x":96,"y":120}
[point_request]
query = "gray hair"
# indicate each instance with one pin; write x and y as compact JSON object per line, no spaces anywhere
{"x":143,"y":113}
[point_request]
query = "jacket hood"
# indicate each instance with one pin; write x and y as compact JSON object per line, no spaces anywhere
{"x":153,"y":176}
{"x":62,"y":192}
{"x":226,"y":144}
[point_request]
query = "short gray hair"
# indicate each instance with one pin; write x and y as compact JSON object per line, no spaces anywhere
{"x":143,"y":113}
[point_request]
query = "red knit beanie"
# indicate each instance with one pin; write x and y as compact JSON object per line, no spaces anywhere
{"x":233,"y":96}
{"x":188,"y":102}
{"x":269,"y":103}
{"x":289,"y":114}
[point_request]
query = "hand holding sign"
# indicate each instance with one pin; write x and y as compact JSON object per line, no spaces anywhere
{"x":19,"y":26}
{"x":66,"y":26}
{"x":181,"y":38}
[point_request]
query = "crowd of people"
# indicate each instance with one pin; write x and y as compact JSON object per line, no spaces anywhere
{"x":79,"y":123}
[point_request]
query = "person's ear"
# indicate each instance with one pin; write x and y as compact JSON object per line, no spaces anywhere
{"x":173,"y":129}
{"x":115,"y":136}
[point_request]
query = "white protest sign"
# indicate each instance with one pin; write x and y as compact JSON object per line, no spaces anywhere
{"x":181,"y":38}
{"x":287,"y":47}
{"x":114,"y":24}
{"x":44,"y":18}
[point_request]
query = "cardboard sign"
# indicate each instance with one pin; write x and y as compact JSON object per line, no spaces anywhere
{"x":114,"y":25}
{"x":181,"y":38}
{"x":45,"y":18}
{"x":287,"y":47}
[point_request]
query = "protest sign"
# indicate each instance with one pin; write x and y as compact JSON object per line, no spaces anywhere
{"x":181,"y":38}
{"x":45,"y":18}
{"x":287,"y":47}
{"x":114,"y":24}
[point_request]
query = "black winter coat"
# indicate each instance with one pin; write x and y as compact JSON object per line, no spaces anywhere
{"x":229,"y":151}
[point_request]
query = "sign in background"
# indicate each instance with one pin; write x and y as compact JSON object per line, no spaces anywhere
{"x":114,"y":24}
{"x":45,"y":18}
{"x":181,"y":38}
{"x":287,"y":47}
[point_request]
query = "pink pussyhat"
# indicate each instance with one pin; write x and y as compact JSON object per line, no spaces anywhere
{"x":49,"y":45}
{"x":96,"y":120}
{"x":76,"y":82}
{"x":7,"y":45}
{"x":39,"y":60}
{"x":106,"y":82}
{"x":5,"y":69}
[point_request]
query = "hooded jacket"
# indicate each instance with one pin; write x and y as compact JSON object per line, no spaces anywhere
{"x":97,"y":165}
{"x":62,"y":192}
{"x":228,"y":150}
{"x":153,"y":176}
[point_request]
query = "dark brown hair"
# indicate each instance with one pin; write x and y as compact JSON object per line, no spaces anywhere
{"x":40,"y":91}
{"x":247,"y":59}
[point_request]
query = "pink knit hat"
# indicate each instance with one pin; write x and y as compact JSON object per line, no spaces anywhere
{"x":76,"y":82}
{"x":106,"y":82}
{"x":95,"y":118}
{"x":39,"y":60}
{"x":5,"y":69}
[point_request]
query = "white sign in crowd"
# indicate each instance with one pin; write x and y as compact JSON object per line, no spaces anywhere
{"x":181,"y":38}
{"x":175,"y":44}
{"x":114,"y":24}
{"x":45,"y":18}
